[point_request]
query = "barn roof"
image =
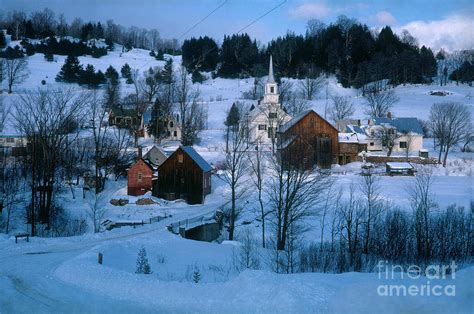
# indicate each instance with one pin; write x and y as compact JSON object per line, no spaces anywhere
{"x":197,"y":158}
{"x":298,"y":118}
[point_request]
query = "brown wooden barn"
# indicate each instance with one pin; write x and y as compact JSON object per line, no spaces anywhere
{"x":185,"y":174}
{"x":140,"y":176}
{"x":308,"y":140}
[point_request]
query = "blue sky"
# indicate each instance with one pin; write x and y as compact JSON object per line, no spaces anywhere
{"x":446,"y":23}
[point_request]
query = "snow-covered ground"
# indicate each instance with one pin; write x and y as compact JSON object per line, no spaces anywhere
{"x":62,"y":274}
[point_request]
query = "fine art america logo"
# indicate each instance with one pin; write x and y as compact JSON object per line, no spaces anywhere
{"x":415,"y":280}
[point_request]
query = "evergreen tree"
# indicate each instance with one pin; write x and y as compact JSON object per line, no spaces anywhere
{"x":197,"y":77}
{"x":70,"y":71}
{"x":48,"y":56}
{"x":126,"y":71}
{"x":159,"y":55}
{"x":231,"y":123}
{"x":3,"y":41}
{"x":142,"y":267}
{"x":167,"y":73}
{"x":196,"y":275}
{"x":200,"y":54}
{"x":112,"y":75}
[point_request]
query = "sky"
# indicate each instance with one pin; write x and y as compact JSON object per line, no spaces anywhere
{"x":447,"y":24}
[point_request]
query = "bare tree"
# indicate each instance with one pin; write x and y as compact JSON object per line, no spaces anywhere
{"x":46,"y":118}
{"x":310,"y":85}
{"x":247,"y":256}
{"x":342,"y":108}
{"x":422,"y":204}
{"x":379,"y":103}
{"x":387,"y":136}
{"x":150,"y":83}
{"x":295,"y":105}
{"x":350,"y":215}
{"x":450,"y":122}
{"x":370,"y":189}
{"x":16,"y":71}
{"x":258,"y":163}
{"x":236,"y":169}
{"x":97,"y":210}
{"x":191,"y":113}
{"x":293,"y":193}
{"x":9,"y":191}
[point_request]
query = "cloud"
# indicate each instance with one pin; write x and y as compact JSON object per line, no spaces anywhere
{"x":455,"y":32}
{"x":385,"y":18}
{"x":310,"y":10}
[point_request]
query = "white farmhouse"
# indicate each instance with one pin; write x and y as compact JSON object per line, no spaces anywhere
{"x":408,"y":134}
{"x":266,"y":118}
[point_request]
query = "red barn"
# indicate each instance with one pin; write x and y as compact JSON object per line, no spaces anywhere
{"x":140,"y":176}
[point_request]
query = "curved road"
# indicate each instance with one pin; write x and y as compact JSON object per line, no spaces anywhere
{"x":28,"y":283}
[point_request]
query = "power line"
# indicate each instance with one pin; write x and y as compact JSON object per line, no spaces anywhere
{"x":242,"y":29}
{"x":192,"y":27}
{"x":203,"y":19}
{"x":261,"y":16}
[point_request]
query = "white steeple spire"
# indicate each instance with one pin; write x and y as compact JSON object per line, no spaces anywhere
{"x":271,"y":79}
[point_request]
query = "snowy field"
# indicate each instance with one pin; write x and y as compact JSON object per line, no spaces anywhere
{"x":62,"y":274}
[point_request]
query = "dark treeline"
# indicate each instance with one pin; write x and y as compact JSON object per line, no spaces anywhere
{"x":346,"y":48}
{"x":45,"y":23}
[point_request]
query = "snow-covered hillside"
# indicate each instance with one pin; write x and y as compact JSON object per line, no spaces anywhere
{"x":62,"y":274}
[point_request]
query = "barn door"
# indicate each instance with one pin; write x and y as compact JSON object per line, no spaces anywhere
{"x":323,"y":152}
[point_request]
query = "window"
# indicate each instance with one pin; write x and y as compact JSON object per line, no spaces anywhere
{"x":272,"y":89}
{"x":175,"y":133}
{"x":272,"y":115}
{"x":391,"y":131}
{"x":372,"y":144}
{"x":10,"y":140}
{"x":262,"y":127}
{"x":171,"y":124}
{"x":180,"y":158}
{"x":140,"y":176}
{"x":403,"y":144}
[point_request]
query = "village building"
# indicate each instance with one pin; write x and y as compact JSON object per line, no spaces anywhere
{"x":172,"y":127}
{"x":408,"y":134}
{"x":351,"y":145}
{"x":184,"y":174}
{"x":155,"y":156}
{"x":308,"y":140}
{"x":140,"y":176}
{"x":264,"y":120}
{"x":122,"y":117}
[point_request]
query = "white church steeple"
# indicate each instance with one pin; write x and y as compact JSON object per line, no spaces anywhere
{"x":271,"y":87}
{"x":271,"y":79}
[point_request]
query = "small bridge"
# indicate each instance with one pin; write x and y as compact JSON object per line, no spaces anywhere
{"x":205,"y":227}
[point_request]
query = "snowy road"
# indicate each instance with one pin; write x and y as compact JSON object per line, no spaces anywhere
{"x":28,"y":282}
{"x":27,"y":279}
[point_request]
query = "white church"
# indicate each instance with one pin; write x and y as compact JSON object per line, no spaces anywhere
{"x":265,"y":119}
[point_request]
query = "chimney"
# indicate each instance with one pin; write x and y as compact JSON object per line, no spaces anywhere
{"x":389,"y":115}
{"x":139,"y":152}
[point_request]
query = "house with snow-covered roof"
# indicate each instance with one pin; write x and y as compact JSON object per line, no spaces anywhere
{"x":407,"y":133}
